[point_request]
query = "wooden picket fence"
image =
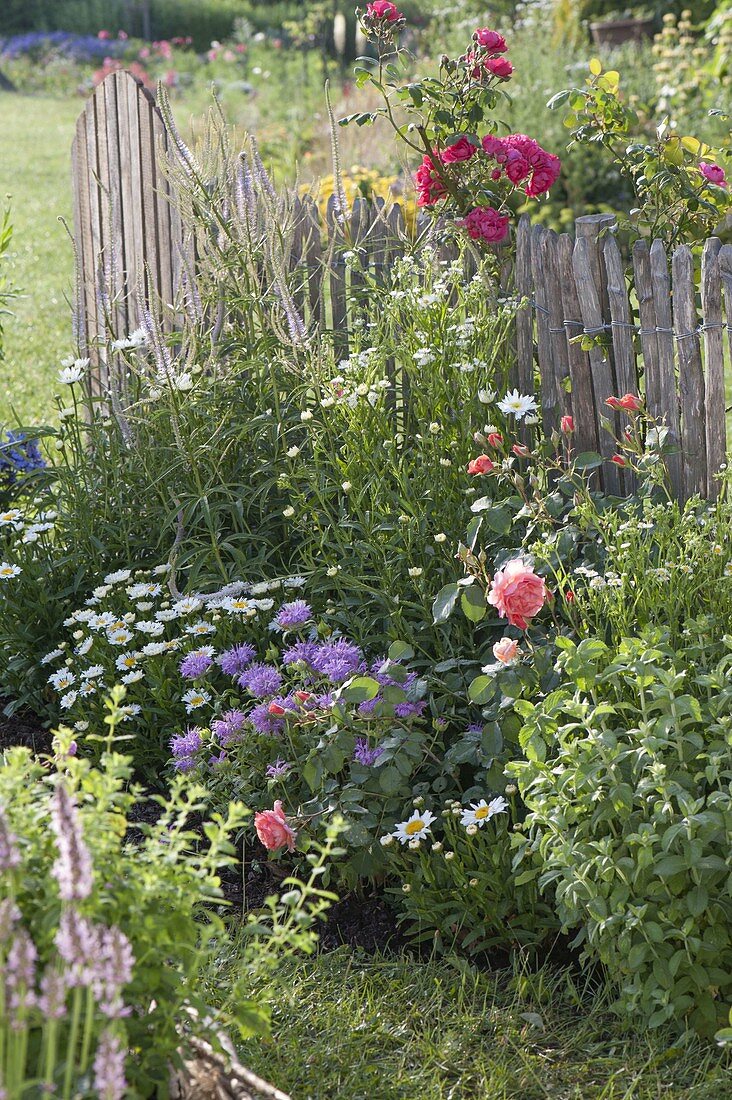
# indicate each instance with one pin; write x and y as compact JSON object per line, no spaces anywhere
{"x":652,"y":327}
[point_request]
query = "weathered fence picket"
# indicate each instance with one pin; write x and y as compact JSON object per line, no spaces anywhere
{"x":659,"y":333}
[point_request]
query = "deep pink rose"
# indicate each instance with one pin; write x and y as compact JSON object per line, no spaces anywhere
{"x":499,"y":66}
{"x":490,"y":40}
{"x":384,"y":9}
{"x":714,"y":173}
{"x":430,"y":188}
{"x":462,"y":149}
{"x":486,"y":224}
{"x":273,"y":829}
{"x":518,"y":593}
{"x":494,"y":147}
{"x":517,"y":167}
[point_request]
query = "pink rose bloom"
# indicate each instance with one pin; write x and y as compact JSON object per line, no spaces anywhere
{"x":273,"y":829}
{"x":499,"y":66}
{"x":518,"y":593}
{"x":430,"y":188}
{"x":490,"y":40}
{"x":486,"y":224}
{"x":494,"y":147}
{"x":462,"y":149}
{"x":714,"y":173}
{"x":506,"y":650}
{"x":384,"y":9}
{"x":104,"y":35}
{"x":630,"y":402}
{"x":517,"y":167}
{"x":480,"y":465}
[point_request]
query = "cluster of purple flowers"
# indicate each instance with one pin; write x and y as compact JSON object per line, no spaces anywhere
{"x":19,"y":454}
{"x":292,"y":615}
{"x":76,"y":47}
{"x":401,"y":710}
{"x":184,"y":747}
{"x":364,"y":754}
{"x":236,"y":659}
{"x":196,"y":663}
{"x":261,"y":680}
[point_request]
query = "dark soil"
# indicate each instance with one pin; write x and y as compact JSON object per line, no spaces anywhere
{"x":24,"y":728}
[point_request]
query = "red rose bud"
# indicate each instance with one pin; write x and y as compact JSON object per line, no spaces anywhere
{"x":495,"y":439}
{"x":480,"y":465}
{"x":613,"y":402}
{"x":521,"y":450}
{"x":567,"y":425}
{"x":303,"y":696}
{"x":569,"y":596}
{"x":276,"y":710}
{"x":618,"y":460}
{"x":630,"y":402}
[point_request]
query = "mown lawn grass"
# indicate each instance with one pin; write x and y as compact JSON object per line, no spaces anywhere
{"x":347,"y":1025}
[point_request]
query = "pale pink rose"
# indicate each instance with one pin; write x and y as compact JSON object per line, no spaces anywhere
{"x":506,"y":650}
{"x":273,"y":829}
{"x":518,"y":593}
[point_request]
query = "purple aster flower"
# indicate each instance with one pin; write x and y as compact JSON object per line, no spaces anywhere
{"x":186,"y":744}
{"x":261,"y":680}
{"x":337,"y":660}
{"x":300,"y":651}
{"x":365,"y":755}
{"x":292,"y":615}
{"x":217,"y":759}
{"x":264,"y":722}
{"x":73,"y":868}
{"x":109,"y":1068}
{"x":369,"y":706}
{"x":227,"y":728}
{"x":324,"y":701}
{"x":475,"y":727}
{"x":194,"y":665}
{"x":409,"y":710}
{"x":277,"y":770}
{"x":184,"y":763}
{"x":236,"y":659}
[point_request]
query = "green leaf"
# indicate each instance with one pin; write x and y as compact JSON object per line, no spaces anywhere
{"x":473,"y":603}
{"x":588,"y":460}
{"x":390,"y":780}
{"x":444,"y":603}
{"x":482,"y":689}
{"x":400,"y":651}
{"x":360,"y":689}
{"x":499,"y":520}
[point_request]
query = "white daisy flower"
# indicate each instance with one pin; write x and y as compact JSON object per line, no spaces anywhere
{"x":81,"y":726}
{"x":88,"y":687}
{"x":68,"y":700}
{"x":166,"y":616}
{"x":127,"y":660}
{"x":151,"y":627}
{"x":293,"y":582}
{"x":263,"y":605}
{"x":194,"y":699}
{"x":161,"y":570}
{"x":183,"y":382}
{"x":260,"y":588}
{"x":73,"y":372}
{"x":236,"y":604}
{"x":62,"y":679}
{"x":414,"y":828}
{"x":480,"y":812}
{"x":520,"y":405}
{"x":140,"y":591}
{"x":187,"y":605}
{"x":154,"y":649}
{"x":200,"y":628}
{"x":133,"y":677}
{"x":7,"y":570}
{"x":51,"y":656}
{"x":120,"y":637}
{"x":83,"y":648}
{"x":10,"y":517}
{"x":129,"y":710}
{"x":92,"y":672}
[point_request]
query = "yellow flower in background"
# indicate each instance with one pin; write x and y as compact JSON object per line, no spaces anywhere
{"x":367,"y":183}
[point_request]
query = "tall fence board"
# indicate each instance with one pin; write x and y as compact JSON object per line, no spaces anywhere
{"x":658,"y":329}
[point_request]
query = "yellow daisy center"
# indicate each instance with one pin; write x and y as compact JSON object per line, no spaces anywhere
{"x":414,"y":827}
{"x":482,"y":812}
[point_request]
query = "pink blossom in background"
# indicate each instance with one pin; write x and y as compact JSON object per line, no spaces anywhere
{"x":486,"y":224}
{"x":518,"y":593}
{"x":384,"y":9}
{"x":714,"y":173}
{"x":274,"y":830}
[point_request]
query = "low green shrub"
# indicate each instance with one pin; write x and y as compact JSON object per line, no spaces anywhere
{"x":627,"y":787}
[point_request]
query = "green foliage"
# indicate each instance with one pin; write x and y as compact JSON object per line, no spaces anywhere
{"x":629,"y":812}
